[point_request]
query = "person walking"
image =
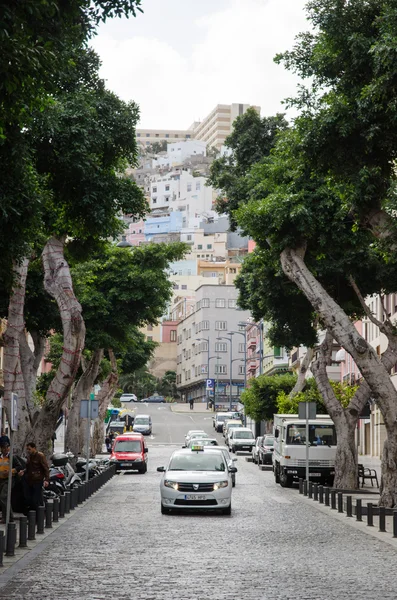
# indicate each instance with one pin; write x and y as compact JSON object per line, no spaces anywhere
{"x":35,"y":475}
{"x":4,"y":471}
{"x":191,"y":401}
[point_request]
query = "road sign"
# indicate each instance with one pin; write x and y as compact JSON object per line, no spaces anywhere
{"x":210,"y":384}
{"x":14,"y":412}
{"x":84,"y":409}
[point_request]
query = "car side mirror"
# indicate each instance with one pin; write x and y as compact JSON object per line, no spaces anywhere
{"x":146,"y":450}
{"x":276,"y":433}
{"x":232,"y":470}
{"x":161,"y":469}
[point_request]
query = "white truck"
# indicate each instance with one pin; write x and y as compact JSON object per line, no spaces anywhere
{"x":289,"y":455}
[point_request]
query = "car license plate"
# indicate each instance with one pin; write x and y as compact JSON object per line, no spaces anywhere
{"x":127,"y":464}
{"x":194,"y":497}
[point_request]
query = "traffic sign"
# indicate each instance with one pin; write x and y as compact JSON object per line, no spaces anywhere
{"x":210,"y":384}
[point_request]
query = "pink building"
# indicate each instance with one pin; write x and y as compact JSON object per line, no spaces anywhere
{"x":168,"y":331}
{"x":135,"y":233}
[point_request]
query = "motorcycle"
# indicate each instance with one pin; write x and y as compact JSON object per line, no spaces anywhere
{"x":56,"y":482}
{"x":62,"y":463}
{"x":81,"y":466}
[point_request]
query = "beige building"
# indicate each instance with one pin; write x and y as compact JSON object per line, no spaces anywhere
{"x":213,"y":129}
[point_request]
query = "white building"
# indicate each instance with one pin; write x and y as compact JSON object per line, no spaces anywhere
{"x":179,"y":152}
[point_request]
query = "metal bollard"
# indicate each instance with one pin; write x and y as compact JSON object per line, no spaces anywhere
{"x":310,"y":489}
{"x":305,"y":488}
{"x":395,"y":523}
{"x":1,"y":547}
{"x":333,"y":500}
{"x":23,"y":532}
{"x":48,"y":514}
{"x":85,"y":490}
{"x":321,"y":494}
{"x":359,"y":510}
{"x":349,"y":506}
{"x":382,"y":519}
{"x":326,"y":496}
{"x":80,"y":493}
{"x":300,"y":485}
{"x":73,"y":498}
{"x":32,"y":525}
{"x":370,"y":515}
{"x":67,"y":502}
{"x":11,"y":539}
{"x":315,"y":491}
{"x":340,"y":502}
{"x":40,"y":519}
{"x":62,"y":502}
{"x":55,"y":510}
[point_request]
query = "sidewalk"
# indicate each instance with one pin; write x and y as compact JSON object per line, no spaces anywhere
{"x":198,"y":408}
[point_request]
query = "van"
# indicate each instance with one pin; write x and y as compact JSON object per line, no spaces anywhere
{"x":143,"y":424}
{"x":130,"y":452}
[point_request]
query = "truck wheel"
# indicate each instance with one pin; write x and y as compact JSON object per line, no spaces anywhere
{"x":285,"y":480}
{"x":276,"y":473}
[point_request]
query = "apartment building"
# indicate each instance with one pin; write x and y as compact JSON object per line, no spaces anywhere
{"x":204,"y":349}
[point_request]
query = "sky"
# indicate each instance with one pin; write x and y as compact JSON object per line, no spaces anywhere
{"x":181,"y":58}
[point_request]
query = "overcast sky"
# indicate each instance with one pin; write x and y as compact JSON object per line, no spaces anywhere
{"x":180,"y":58}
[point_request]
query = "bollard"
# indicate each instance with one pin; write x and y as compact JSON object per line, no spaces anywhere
{"x":80,"y":493}
{"x":23,"y":532}
{"x":321,"y":494}
{"x":315,"y":491}
{"x":300,"y":485}
{"x":11,"y":539}
{"x":310,"y":489}
{"x":395,"y":523}
{"x":340,"y":502}
{"x":40,"y":519}
{"x":326,"y":494}
{"x":370,"y":515}
{"x":349,"y":506}
{"x":62,"y":502}
{"x":73,"y":498}
{"x":85,"y":491}
{"x":48,"y":514}
{"x":333,"y":499}
{"x":67,"y":502}
{"x":382,"y":519}
{"x":32,"y":525}
{"x":359,"y":510}
{"x":1,"y":547}
{"x":55,"y":510}
{"x":305,"y":487}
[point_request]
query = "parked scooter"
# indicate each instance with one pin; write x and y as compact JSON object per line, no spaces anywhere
{"x":62,"y":463}
{"x":56,"y":483}
{"x":81,"y":466}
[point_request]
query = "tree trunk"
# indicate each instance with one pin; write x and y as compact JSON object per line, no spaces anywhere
{"x":104,"y":398}
{"x":58,"y":283}
{"x":76,"y":427}
{"x":300,"y":382}
{"x":13,"y":378}
{"x":374,"y":370}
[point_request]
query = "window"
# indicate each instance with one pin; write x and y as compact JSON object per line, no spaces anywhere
{"x":205,"y":324}
{"x":157,"y":135}
{"x":200,"y":247}
{"x":167,"y":188}
{"x":278,"y":352}
{"x":232,"y":303}
{"x":241,"y":327}
{"x":173,"y":335}
{"x":205,"y":303}
{"x":149,"y":338}
{"x":147,"y":143}
{"x":209,"y":246}
{"x":241,"y":347}
{"x":214,"y":274}
{"x":154,"y":200}
{"x":175,"y":286}
{"x":221,"y":347}
{"x":220,"y":369}
{"x":198,"y":186}
{"x":176,"y":135}
{"x":204,"y":347}
{"x":188,"y":136}
{"x":167,"y":135}
{"x":189,"y":237}
{"x":138,"y":135}
{"x":150,"y":327}
{"x":241,"y":370}
{"x":220,"y":325}
{"x":184,"y":287}
{"x":167,"y":198}
{"x":220,"y":303}
{"x":204,"y":368}
{"x":189,"y":187}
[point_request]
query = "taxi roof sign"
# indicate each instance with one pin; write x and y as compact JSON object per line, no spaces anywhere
{"x":197,"y":448}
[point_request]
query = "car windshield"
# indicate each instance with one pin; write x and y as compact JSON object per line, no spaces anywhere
{"x":198,"y":435}
{"x":319,"y":435}
{"x":268,"y":441}
{"x":197,"y":461}
{"x":243,"y":435}
{"x":205,"y":442}
{"x":127,"y":446}
{"x":141,"y":421}
{"x":233,"y":425}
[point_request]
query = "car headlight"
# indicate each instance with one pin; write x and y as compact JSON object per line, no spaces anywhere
{"x":170,"y":484}
{"x":220,"y":484}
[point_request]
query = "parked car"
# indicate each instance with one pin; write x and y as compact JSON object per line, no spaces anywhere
{"x":220,"y":418}
{"x":229,"y":425}
{"x":255,"y":449}
{"x":241,"y":438}
{"x":128,"y":398}
{"x":266,"y":450}
{"x":143,"y":424}
{"x":155,"y":398}
{"x":237,"y":422}
{"x":130,"y":453}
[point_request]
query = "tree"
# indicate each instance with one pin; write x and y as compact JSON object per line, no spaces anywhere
{"x":167,"y":385}
{"x":260,"y":399}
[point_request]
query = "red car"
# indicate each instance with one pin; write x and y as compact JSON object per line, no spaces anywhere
{"x":130,"y":452}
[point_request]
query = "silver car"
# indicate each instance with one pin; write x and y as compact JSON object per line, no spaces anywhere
{"x":229,"y":459}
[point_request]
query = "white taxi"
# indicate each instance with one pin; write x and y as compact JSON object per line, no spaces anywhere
{"x":195,"y":479}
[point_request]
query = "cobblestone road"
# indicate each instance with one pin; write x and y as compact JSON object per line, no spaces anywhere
{"x":120,"y":547}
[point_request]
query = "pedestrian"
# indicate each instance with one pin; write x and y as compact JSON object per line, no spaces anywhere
{"x":4,"y":472}
{"x":35,"y":475}
{"x":191,"y":401}
{"x":108,"y":444}
{"x":4,"y":437}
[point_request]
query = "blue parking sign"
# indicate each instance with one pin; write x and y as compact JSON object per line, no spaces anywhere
{"x":210,"y":384}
